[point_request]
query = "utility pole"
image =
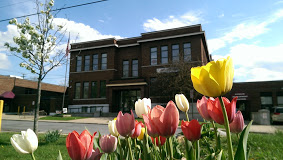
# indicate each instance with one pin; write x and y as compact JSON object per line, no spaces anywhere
{"x":23,"y":75}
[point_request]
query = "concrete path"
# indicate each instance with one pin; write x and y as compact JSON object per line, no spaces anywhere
{"x":105,"y":120}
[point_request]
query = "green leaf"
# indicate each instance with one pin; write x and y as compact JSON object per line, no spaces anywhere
{"x":59,"y":156}
{"x":241,"y":152}
{"x":219,"y":155}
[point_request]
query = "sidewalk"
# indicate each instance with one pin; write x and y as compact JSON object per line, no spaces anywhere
{"x":105,"y":120}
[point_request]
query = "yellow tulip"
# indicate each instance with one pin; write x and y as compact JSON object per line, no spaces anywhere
{"x":140,"y":137}
{"x":215,"y":78}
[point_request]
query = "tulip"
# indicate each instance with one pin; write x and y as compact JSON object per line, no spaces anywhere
{"x":215,"y":78}
{"x":125,"y":124}
{"x":215,"y":110}
{"x":202,"y":108}
{"x":162,"y":121}
{"x":112,"y":128}
{"x":80,"y":146}
{"x":156,"y":142}
{"x":191,"y":130}
{"x":137,"y":132}
{"x":142,"y":106}
{"x":108,"y":143}
{"x":26,"y":142}
{"x":96,"y":155}
{"x":182,"y":102}
{"x":140,"y":137}
{"x":238,"y":124}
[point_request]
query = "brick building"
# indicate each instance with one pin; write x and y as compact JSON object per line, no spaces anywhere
{"x":111,"y":74}
{"x":21,"y":93}
{"x":253,"y":96}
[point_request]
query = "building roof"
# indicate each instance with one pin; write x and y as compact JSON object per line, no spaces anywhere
{"x":8,"y":83}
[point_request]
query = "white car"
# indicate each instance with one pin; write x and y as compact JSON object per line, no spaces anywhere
{"x":277,"y":114}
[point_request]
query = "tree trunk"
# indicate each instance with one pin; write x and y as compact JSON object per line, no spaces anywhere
{"x":37,"y":106}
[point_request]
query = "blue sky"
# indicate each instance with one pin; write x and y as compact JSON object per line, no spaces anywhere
{"x":248,"y":31}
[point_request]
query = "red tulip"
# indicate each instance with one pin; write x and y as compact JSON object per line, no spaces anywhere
{"x":96,"y":155}
{"x":138,"y":126}
{"x":156,"y":140}
{"x":162,"y":121}
{"x":215,"y":110}
{"x":191,"y":130}
{"x":80,"y":146}
{"x":108,"y":143}
{"x":202,"y":108}
{"x":125,"y":124}
{"x":238,"y":124}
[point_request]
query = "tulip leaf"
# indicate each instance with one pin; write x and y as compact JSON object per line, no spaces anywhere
{"x":59,"y":156}
{"x":242,"y":152}
{"x":219,"y":155}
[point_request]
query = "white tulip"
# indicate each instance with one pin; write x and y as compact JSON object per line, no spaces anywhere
{"x":112,"y":128}
{"x":182,"y":102}
{"x":26,"y":142}
{"x":141,"y":106}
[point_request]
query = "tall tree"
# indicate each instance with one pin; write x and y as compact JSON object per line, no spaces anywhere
{"x":37,"y":46}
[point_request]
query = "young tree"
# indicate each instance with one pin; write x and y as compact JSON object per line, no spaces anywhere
{"x":37,"y":47}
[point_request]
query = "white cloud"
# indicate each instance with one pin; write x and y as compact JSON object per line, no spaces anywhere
{"x":4,"y":62}
{"x":81,"y":32}
{"x":242,"y":31}
{"x":7,"y":36}
{"x":221,"y":15}
{"x":256,"y":74}
{"x":186,"y":19}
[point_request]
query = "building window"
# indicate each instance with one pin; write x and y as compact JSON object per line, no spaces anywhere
{"x":280,"y":99}
{"x":78,"y":91}
{"x":187,"y":52}
{"x":95,"y":62}
{"x":125,"y":68}
{"x":87,"y":63}
{"x":153,"y":56}
{"x":175,"y":52}
{"x":84,"y":109}
{"x":103,"y":61}
{"x":135,"y":69}
{"x":79,"y":63}
{"x":93,"y":90}
{"x":85,"y":91}
{"x":102,"y":89}
{"x":266,"y":100}
{"x":164,"y":54}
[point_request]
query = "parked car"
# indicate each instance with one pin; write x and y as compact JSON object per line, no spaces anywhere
{"x":276,"y":114}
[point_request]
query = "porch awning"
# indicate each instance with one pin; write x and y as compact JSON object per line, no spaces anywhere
{"x":8,"y":94}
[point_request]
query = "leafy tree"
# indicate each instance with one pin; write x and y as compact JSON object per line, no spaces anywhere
{"x":37,"y":45}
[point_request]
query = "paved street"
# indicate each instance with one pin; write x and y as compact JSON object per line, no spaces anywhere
{"x":20,"y":125}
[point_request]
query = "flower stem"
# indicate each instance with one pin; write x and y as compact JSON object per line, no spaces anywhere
{"x":226,"y":125}
{"x":120,"y":147}
{"x":187,"y":116}
{"x":169,"y":145}
{"x":32,"y":156}
{"x":197,"y":151}
{"x":216,"y":136}
{"x":145,"y":144}
{"x":130,"y":149}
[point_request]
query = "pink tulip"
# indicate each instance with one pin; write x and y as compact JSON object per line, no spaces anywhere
{"x":108,"y":143}
{"x":191,"y":130}
{"x":138,"y":126}
{"x":96,"y":155}
{"x":238,"y":124}
{"x":202,"y":108}
{"x":162,"y":121}
{"x":215,"y":110}
{"x":80,"y":146}
{"x":125,"y":124}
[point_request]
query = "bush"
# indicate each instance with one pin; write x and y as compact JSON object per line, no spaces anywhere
{"x":52,"y":136}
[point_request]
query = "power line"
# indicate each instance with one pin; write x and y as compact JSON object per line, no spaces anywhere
{"x":56,"y":9}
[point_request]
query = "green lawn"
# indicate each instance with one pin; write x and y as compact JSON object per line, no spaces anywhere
{"x":61,"y":118}
{"x":263,"y":147}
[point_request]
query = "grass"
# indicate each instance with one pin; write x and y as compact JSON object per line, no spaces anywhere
{"x":263,"y":147}
{"x":61,"y":118}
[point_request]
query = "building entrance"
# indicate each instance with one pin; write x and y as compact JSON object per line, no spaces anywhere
{"x":125,"y":100}
{"x":243,"y":107}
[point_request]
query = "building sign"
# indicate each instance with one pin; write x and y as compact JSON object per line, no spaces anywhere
{"x":241,"y":96}
{"x":166,"y":70}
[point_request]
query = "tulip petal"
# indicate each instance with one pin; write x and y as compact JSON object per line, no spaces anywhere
{"x":151,"y":128}
{"x":75,"y":149}
{"x":18,"y":143}
{"x":86,"y":139}
{"x":31,"y":140}
{"x":169,"y":120}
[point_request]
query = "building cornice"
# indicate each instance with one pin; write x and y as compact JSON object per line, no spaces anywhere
{"x":95,"y":71}
{"x":102,"y":46}
{"x":170,"y":37}
{"x":171,"y":29}
{"x":126,"y":84}
{"x":128,"y":45}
